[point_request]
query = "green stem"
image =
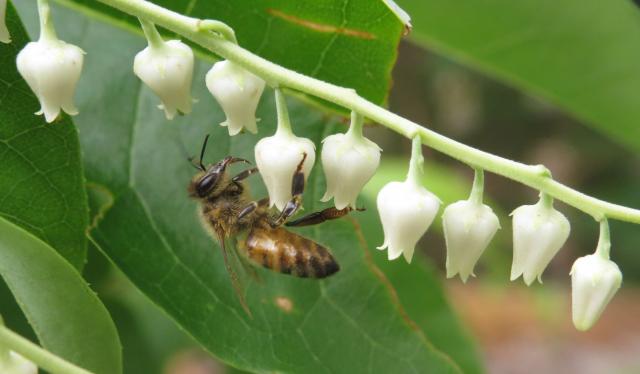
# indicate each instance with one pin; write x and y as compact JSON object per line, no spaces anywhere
{"x":284,"y":123}
{"x":534,"y":176}
{"x":151,"y":33}
{"x":604,"y":242}
{"x":357,"y":123}
{"x":477,"y":190}
{"x":47,"y":31}
{"x":546,"y":200}
{"x":221,"y":28}
{"x":416,"y":164}
{"x":43,"y":358}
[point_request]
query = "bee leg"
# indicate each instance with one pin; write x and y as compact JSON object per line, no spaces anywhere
{"x":244,"y":175}
{"x":321,"y":216}
{"x":297,"y":188}
{"x":252,"y":206}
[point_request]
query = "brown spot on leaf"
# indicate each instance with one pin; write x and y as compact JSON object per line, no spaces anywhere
{"x":321,"y":27}
{"x":284,"y":303}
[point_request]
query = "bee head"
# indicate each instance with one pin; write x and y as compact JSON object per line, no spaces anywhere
{"x":208,"y":180}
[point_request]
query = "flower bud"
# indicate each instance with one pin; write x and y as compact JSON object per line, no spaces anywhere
{"x":4,"y":32}
{"x":167,"y":68}
{"x":278,"y":156}
{"x":51,"y":68}
{"x":238,"y":93}
{"x":406,"y":209}
{"x":13,"y":363}
{"x":594,"y":281}
{"x":349,"y":161}
{"x":539,"y":231}
{"x":468,"y":227}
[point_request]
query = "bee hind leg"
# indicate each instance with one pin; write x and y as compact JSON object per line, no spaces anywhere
{"x":321,"y":216}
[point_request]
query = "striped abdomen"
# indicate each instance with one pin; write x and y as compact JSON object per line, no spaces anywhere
{"x":285,"y":252}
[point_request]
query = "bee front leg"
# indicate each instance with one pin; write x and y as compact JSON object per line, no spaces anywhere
{"x":244,"y":175}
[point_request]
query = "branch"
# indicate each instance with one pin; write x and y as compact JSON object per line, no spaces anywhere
{"x":534,"y":176}
{"x":43,"y":358}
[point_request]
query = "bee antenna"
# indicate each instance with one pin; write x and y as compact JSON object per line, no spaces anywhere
{"x":204,"y":148}
{"x":191,"y":161}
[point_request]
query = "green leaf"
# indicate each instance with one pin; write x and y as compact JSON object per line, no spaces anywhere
{"x":352,"y":43}
{"x":581,"y":55}
{"x":41,"y":181}
{"x":67,"y":316}
{"x":150,"y":230}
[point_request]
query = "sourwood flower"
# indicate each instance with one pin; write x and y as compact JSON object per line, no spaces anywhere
{"x":167,"y":68}
{"x":406,"y":209}
{"x":238,"y":93}
{"x":51,"y":68}
{"x":278,"y":156}
{"x":469,"y":225}
{"x":4,"y":32}
{"x":349,"y":160}
{"x":13,"y":363}
{"x":539,"y":231}
{"x":594,"y":281}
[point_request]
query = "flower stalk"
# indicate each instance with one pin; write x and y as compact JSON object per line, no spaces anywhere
{"x":477,"y":191}
{"x":47,"y":30}
{"x":534,"y":176}
{"x":284,"y":122}
{"x":604,"y":241}
{"x":151,"y":33}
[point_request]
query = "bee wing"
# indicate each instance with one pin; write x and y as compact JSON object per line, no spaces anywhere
{"x":235,"y":281}
{"x":247,"y":266}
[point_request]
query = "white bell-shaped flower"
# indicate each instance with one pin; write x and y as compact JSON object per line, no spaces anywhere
{"x":238,"y":93}
{"x":13,"y":363}
{"x":167,"y":68}
{"x":406,"y":209}
{"x":539,"y":231}
{"x":278,"y":156}
{"x":51,"y":68}
{"x":469,"y":225}
{"x":594,"y":281}
{"x":349,"y":161}
{"x":4,"y":32}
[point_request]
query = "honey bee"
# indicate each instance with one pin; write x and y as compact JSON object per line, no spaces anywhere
{"x":228,"y":212}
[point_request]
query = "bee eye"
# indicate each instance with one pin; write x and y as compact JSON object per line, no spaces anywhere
{"x":206,"y":184}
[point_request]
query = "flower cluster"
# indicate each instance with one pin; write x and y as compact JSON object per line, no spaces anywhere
{"x":52,"y":69}
{"x":406,"y":208}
